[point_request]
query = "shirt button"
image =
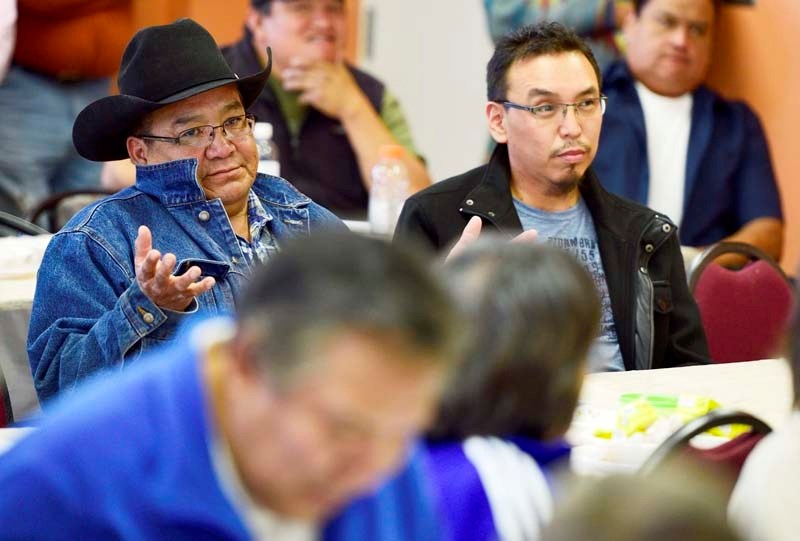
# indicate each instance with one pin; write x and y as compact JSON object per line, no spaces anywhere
{"x":235,"y":260}
{"x":491,"y":214}
{"x":148,"y":318}
{"x":649,"y":248}
{"x":203,"y":216}
{"x":469,"y":202}
{"x":643,"y":270}
{"x":666,"y":228}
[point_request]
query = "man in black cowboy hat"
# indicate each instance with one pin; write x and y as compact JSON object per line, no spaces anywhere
{"x":123,"y":273}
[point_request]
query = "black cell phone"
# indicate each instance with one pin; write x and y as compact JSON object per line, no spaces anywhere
{"x":182,"y":267}
{"x":217,"y":269}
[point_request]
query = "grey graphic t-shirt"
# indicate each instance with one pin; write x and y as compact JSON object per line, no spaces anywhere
{"x":573,"y":230}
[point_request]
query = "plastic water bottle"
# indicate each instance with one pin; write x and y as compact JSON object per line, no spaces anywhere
{"x":267,"y":149}
{"x":389,"y":190}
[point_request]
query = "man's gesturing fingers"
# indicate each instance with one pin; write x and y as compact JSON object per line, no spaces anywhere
{"x":468,"y":236}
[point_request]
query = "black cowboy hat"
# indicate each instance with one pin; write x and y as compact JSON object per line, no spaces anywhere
{"x":160,"y":65}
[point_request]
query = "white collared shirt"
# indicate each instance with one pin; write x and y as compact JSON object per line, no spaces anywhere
{"x":668,"y":122}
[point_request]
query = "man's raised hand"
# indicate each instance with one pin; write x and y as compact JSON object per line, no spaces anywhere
{"x":154,"y":274}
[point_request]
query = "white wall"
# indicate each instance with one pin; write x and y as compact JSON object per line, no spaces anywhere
{"x":432,"y":54}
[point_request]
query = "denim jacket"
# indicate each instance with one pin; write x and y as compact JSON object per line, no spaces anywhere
{"x":88,"y":311}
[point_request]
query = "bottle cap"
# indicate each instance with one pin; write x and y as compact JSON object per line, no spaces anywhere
{"x":262,"y":130}
{"x":391,"y":151}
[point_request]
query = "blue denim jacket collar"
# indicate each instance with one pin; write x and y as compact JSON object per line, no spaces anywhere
{"x":175,"y":183}
{"x":89,"y":313}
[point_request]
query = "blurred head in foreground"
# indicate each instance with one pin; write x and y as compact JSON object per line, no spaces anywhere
{"x":533,"y":312}
{"x":678,"y":502}
{"x":336,"y":365}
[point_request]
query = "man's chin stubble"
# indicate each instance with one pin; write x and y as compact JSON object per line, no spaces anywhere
{"x":566,"y":185}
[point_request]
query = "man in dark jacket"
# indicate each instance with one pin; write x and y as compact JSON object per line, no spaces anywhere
{"x":329,"y":119}
{"x":545,"y":111}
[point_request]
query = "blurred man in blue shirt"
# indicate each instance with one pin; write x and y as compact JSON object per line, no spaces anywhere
{"x":263,"y":428}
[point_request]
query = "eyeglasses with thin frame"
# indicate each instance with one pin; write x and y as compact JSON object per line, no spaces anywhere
{"x":583,"y":109}
{"x":235,"y":127}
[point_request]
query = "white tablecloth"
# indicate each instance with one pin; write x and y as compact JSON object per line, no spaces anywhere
{"x":19,"y":260}
{"x":762,"y":388}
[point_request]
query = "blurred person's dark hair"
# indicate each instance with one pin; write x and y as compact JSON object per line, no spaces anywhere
{"x":333,"y":282}
{"x":532,"y":313}
{"x":265,"y":6}
{"x":638,"y":5}
{"x":678,"y":503}
{"x":548,"y":38}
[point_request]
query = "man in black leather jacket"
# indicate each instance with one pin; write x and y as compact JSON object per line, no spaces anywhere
{"x":545,"y":112}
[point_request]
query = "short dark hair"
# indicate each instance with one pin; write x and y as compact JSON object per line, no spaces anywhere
{"x":143,"y":126}
{"x":332,"y":282}
{"x":546,"y":38}
{"x":638,"y":5}
{"x":265,"y":6}
{"x":262,"y":5}
{"x":532,"y":314}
